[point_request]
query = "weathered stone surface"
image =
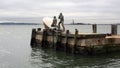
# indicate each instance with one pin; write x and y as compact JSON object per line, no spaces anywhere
{"x":84,"y":43}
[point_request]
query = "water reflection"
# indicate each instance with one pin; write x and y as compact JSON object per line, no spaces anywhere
{"x":52,"y":59}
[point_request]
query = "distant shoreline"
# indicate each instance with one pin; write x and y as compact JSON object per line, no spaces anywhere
{"x":42,"y":24}
{"x":91,"y":24}
{"x":19,"y":24}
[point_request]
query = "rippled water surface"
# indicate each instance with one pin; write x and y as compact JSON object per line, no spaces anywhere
{"x":15,"y":50}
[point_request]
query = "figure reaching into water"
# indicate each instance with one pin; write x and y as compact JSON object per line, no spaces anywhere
{"x":54,"y":22}
{"x":61,"y":17}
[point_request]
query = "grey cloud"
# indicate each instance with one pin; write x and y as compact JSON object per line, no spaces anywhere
{"x":90,"y":9}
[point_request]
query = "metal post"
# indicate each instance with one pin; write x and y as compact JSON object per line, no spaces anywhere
{"x":114,"y":29}
{"x":94,"y":26}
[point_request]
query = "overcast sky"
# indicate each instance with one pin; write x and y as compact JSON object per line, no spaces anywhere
{"x":87,"y":11}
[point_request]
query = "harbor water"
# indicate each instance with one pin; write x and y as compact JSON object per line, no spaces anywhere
{"x":15,"y":50}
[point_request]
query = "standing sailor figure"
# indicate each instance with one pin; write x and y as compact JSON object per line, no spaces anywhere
{"x":61,"y":17}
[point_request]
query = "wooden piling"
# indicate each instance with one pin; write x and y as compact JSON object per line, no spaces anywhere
{"x":44,"y":39}
{"x":33,"y":38}
{"x":38,"y":39}
{"x":39,"y":29}
{"x":53,"y":39}
{"x":94,"y":27}
{"x":58,"y":43}
{"x":114,"y":29}
{"x":66,"y":49}
{"x":75,"y":42}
